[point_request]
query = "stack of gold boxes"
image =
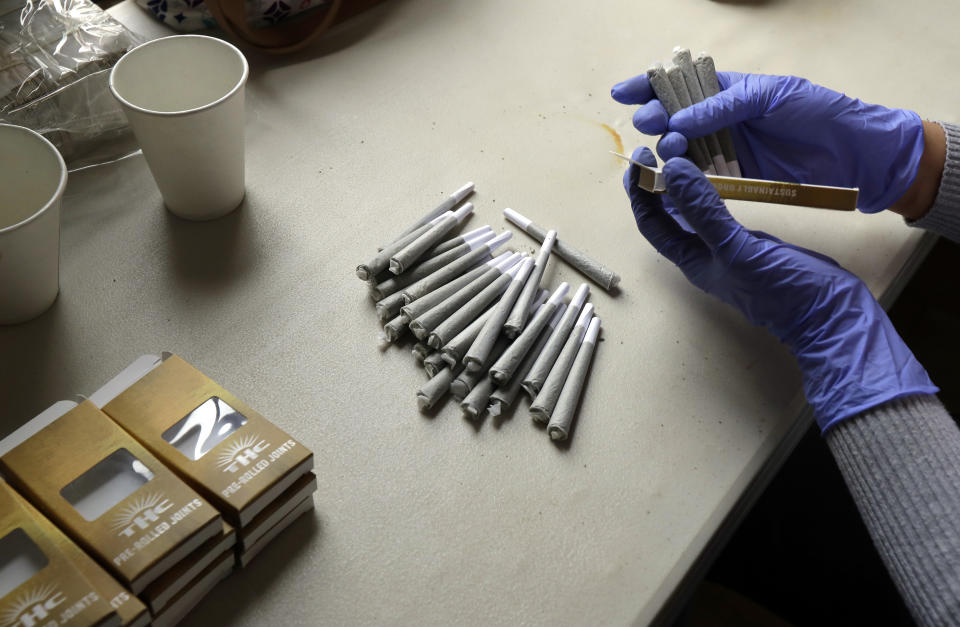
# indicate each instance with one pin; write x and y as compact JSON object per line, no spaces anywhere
{"x":164,"y":478}
{"x":45,"y":577}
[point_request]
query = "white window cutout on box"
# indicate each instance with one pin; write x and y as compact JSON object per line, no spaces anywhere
{"x":20,"y":559}
{"x":108,"y":482}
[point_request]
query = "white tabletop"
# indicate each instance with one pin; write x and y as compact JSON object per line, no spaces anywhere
{"x":428,"y":520}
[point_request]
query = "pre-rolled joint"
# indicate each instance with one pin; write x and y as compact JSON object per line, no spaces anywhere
{"x":531,"y":388}
{"x":507,"y":392}
{"x":566,"y":403}
{"x":683,"y":60}
{"x":465,"y":190}
{"x":517,"y":317}
{"x":445,"y":274}
{"x":389,"y":306}
{"x":662,"y":88}
{"x":520,"y":266}
{"x":435,"y":389}
{"x":561,"y":309}
{"x":478,"y":240}
{"x":483,"y":345}
{"x":433,"y":364}
{"x":463,"y":211}
{"x":499,"y":240}
{"x":419,"y":331}
{"x":499,"y":377}
{"x":680,"y":51}
{"x":719,"y":164}
{"x":560,"y":293}
{"x":597,"y":272}
{"x":580,"y":296}
{"x":540,"y":370}
{"x":395,"y":328}
{"x":539,"y":299}
{"x":552,"y":387}
{"x":496,"y":261}
{"x":518,"y":219}
{"x":590,"y":337}
{"x":423,"y":402}
{"x":486,"y":228}
{"x":585,"y":314}
{"x":557,"y":433}
{"x":459,"y":389}
{"x":509,"y":262}
{"x":475,"y":403}
{"x":404,"y":258}
{"x":695,"y":147}
{"x":420,"y":351}
{"x":540,"y":415}
{"x":547,"y":245}
{"x":707,"y":73}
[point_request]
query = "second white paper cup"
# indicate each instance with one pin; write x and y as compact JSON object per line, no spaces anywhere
{"x":32,"y":179}
{"x":184,"y":98}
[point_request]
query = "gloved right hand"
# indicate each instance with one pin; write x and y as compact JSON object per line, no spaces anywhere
{"x":851,"y":356}
{"x":789,"y":129}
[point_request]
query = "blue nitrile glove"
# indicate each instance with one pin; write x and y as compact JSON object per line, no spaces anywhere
{"x":788,"y":129}
{"x":851,"y":356}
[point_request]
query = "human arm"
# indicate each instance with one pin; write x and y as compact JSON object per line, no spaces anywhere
{"x":943,"y":217}
{"x":899,"y":452}
{"x":919,"y":197}
{"x":901,"y":462}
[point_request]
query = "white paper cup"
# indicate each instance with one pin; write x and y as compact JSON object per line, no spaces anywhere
{"x":183,"y":96}
{"x":32,"y":179}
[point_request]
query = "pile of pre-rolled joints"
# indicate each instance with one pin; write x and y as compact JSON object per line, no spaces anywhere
{"x":486,"y":328}
{"x":685,"y":82}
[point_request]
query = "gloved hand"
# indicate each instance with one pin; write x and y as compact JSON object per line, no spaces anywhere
{"x":851,"y":356}
{"x":788,"y":129}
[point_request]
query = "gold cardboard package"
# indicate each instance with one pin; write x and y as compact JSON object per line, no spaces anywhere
{"x":39,"y":584}
{"x":199,"y":587}
{"x":758,"y":190}
{"x":108,"y":493}
{"x":253,"y":472}
{"x":159,"y":594}
{"x":131,"y":611}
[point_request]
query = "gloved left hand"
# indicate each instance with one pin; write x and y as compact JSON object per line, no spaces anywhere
{"x":851,"y":356}
{"x":786,"y":128}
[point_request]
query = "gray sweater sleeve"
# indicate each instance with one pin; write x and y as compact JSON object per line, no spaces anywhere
{"x":901,"y":462}
{"x":944,"y":216}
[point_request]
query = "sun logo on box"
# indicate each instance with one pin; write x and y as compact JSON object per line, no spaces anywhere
{"x":139,"y":515}
{"x":32,"y":607}
{"x":241,"y":453}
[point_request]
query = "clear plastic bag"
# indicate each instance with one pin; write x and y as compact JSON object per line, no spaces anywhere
{"x":55,"y":61}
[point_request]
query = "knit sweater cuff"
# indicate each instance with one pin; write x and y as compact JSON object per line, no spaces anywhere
{"x":901,"y":461}
{"x":944,"y":216}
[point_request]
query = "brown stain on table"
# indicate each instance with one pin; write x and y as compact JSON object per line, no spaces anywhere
{"x":615,"y":135}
